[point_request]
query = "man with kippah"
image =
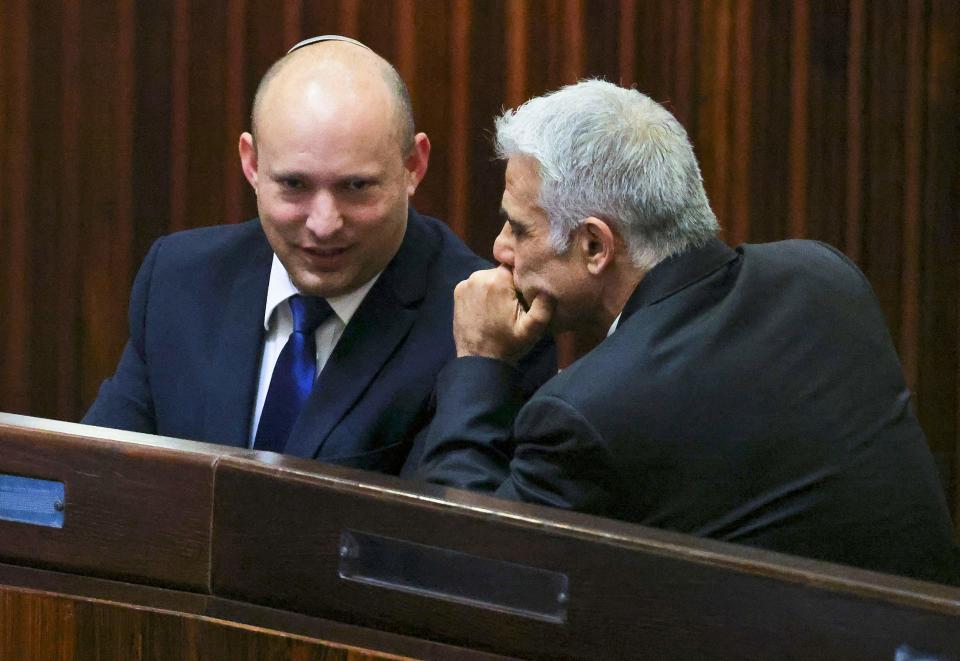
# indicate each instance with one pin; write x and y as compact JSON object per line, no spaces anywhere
{"x":749,"y":395}
{"x":318,"y":329}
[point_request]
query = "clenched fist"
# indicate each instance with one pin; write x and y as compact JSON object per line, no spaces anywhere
{"x":489,"y":319}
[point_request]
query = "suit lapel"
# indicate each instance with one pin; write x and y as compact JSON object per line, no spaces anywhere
{"x":379,"y":326}
{"x":372,"y":336}
{"x":235,"y":343}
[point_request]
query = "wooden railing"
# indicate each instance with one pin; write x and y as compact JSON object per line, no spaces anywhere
{"x":172,"y":549}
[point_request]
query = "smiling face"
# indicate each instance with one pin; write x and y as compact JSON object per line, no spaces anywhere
{"x":331,"y":181}
{"x":524,"y":247}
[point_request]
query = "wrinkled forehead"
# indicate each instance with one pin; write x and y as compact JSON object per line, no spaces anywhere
{"x":522,"y":183}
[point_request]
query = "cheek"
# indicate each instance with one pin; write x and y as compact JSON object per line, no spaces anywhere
{"x":375,"y":206}
{"x":525,"y":261}
{"x":375,"y":217}
{"x":284,"y":216}
{"x":279,"y":229}
{"x":365,"y":217}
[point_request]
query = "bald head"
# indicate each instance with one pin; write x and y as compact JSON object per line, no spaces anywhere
{"x":340,"y":70}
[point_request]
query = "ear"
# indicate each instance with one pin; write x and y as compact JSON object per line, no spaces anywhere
{"x":417,"y":161}
{"x":248,"y":159}
{"x":597,"y":244}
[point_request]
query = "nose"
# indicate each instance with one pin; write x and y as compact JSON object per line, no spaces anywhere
{"x":503,"y":246}
{"x":323,"y":219}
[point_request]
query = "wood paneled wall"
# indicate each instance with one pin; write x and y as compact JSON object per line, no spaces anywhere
{"x":821,"y":119}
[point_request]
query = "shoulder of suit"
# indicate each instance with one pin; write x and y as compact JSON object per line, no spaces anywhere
{"x":453,"y":255}
{"x":810,"y":269}
{"x":209,"y":242}
{"x":215,"y":238}
{"x":216,"y":234}
{"x":801,"y":254}
{"x":795,"y":249}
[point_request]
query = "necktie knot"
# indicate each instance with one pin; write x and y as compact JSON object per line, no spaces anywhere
{"x":308,"y":312}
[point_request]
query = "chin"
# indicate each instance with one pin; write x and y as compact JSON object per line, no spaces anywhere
{"x":322,"y":288}
{"x":562,"y":322}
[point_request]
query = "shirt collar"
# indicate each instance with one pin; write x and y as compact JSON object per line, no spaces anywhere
{"x":281,"y":288}
{"x":613,"y":326}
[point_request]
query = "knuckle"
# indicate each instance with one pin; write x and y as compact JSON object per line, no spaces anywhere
{"x":475,"y":278}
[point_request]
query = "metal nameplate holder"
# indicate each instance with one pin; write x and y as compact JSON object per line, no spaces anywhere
{"x":454,"y":576}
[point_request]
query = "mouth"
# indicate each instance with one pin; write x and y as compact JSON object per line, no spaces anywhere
{"x":521,"y":300}
{"x":326,"y":257}
{"x":326,"y":252}
{"x":524,"y":303}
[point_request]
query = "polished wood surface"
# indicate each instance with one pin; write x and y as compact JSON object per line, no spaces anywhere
{"x":51,"y":615}
{"x":634,"y":591}
{"x":274,"y":561}
{"x":133,"y":512}
{"x":62,"y":627}
{"x":812,"y":118}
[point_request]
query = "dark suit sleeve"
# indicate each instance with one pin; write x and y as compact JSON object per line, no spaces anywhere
{"x":535,"y":369}
{"x":559,"y":459}
{"x":542,"y":452}
{"x":124,"y":400}
{"x":469,"y":443}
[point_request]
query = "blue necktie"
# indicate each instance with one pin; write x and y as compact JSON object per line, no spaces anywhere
{"x":293,"y":374}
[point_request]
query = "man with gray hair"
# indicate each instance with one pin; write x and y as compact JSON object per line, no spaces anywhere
{"x":749,"y":395}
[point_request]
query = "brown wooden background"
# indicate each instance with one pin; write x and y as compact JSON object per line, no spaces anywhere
{"x":824,"y":119}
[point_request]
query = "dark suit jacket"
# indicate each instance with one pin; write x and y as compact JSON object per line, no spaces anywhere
{"x":752,"y":396}
{"x":191,"y":365}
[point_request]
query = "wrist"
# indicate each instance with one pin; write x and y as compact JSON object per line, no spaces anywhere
{"x":484,"y":351}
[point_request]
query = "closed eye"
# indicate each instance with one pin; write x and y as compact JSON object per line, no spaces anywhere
{"x":517,"y":229}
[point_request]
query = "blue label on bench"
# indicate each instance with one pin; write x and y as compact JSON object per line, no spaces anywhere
{"x":29,"y":500}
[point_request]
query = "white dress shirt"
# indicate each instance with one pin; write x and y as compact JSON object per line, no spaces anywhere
{"x":615,"y":324}
{"x":278,"y":324}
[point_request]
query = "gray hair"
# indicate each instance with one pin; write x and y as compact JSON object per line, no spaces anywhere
{"x":614,"y":154}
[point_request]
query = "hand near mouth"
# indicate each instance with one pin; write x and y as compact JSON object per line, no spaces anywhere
{"x":492,"y":319}
{"x":521,"y":300}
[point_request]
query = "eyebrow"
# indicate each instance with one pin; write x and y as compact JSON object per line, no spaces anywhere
{"x":306,"y":176}
{"x":286,"y":174}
